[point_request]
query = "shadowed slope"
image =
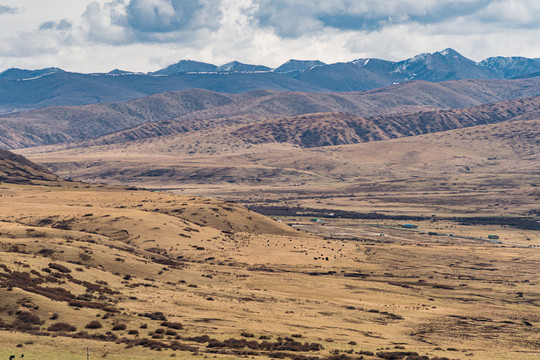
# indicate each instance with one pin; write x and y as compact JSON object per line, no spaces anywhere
{"x":17,"y":169}
{"x":181,"y":112}
{"x":314,"y":130}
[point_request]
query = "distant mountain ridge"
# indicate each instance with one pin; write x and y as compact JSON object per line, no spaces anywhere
{"x":510,"y":67}
{"x":194,"y":110}
{"x":186,"y":66}
{"x":23,"y":74}
{"x":29,"y":89}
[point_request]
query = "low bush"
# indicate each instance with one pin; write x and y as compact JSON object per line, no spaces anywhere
{"x":119,"y":327}
{"x":60,"y":268}
{"x":29,"y":318}
{"x":172,"y":325}
{"x":61,"y":327}
{"x":93,"y":325}
{"x":158,"y":315}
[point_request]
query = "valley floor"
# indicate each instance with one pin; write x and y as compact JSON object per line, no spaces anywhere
{"x":173,"y":275}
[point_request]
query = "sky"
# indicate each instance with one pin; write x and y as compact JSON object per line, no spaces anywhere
{"x":146,"y":35}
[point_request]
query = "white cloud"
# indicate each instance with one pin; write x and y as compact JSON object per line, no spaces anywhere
{"x":144,"y":35}
{"x":8,"y":9}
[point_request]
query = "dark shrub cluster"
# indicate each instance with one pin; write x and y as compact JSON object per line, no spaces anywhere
{"x":172,"y":325}
{"x":93,"y":325}
{"x":283,"y":355}
{"x":60,"y":268}
{"x":280,"y":345}
{"x":405,"y":355}
{"x":46,"y":252}
{"x":25,"y":281}
{"x":165,"y":261}
{"x":158,"y":315}
{"x":119,"y":327}
{"x":29,"y":318}
{"x":158,"y":345}
{"x":198,"y":339}
{"x":93,"y":305}
{"x":62,"y":327}
{"x":100,"y":337}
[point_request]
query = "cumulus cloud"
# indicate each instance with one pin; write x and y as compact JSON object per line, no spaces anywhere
{"x":143,"y":35}
{"x":294,"y":18}
{"x":104,"y":23}
{"x":8,"y":10}
{"x":157,"y":15}
{"x":134,"y":21}
{"x":512,"y":14}
{"x":62,"y":25}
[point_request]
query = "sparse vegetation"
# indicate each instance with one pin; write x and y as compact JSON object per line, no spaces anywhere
{"x":274,"y":294}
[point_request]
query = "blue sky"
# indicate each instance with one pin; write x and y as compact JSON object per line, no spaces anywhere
{"x":144,"y":35}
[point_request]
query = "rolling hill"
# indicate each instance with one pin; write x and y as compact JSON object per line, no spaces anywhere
{"x":315,"y":130}
{"x":463,"y":171}
{"x":117,"y":271}
{"x":297,"y":155}
{"x":65,"y":88}
{"x":178,"y":112}
{"x":16,"y":169}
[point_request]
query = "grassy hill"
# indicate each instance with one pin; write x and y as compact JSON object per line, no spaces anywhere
{"x":134,"y":274}
{"x":185,"y":111}
{"x":16,"y":169}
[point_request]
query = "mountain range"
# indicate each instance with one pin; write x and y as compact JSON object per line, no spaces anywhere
{"x":29,"y":89}
{"x":194,"y":110}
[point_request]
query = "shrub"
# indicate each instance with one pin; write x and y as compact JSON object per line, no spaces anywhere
{"x":29,"y":318}
{"x":60,"y":268}
{"x":172,"y":325}
{"x":46,"y":252}
{"x":93,"y":325}
{"x":158,"y":315}
{"x":62,"y":327}
{"x":396,"y":355}
{"x":119,"y":327}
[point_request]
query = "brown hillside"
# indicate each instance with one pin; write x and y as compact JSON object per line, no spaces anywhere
{"x":312,"y":130}
{"x":407,"y":97}
{"x":308,"y":130}
{"x":16,"y":169}
{"x":403,"y":98}
{"x":125,"y":274}
{"x":315,"y":130}
{"x":199,"y":109}
{"x":70,"y":123}
{"x":476,"y":162}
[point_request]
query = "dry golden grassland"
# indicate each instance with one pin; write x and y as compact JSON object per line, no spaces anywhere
{"x":174,"y":275}
{"x":477,"y":171}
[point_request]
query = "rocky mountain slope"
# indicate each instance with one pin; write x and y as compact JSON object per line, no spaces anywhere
{"x":28,"y":89}
{"x":177,"y":112}
{"x":315,"y":130}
